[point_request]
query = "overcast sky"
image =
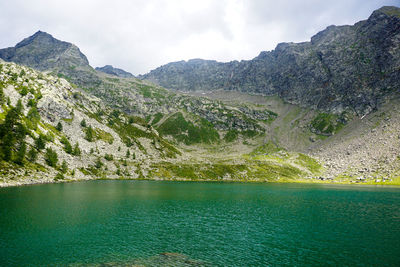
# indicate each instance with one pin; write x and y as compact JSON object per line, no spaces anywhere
{"x":140,"y":35}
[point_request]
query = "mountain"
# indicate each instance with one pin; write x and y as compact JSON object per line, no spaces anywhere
{"x":115,"y":71}
{"x":342,"y":68}
{"x":43,"y":52}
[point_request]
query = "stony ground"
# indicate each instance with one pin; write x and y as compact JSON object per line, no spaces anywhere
{"x":367,"y":149}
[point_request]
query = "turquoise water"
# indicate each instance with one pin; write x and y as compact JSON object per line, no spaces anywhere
{"x":194,"y":224}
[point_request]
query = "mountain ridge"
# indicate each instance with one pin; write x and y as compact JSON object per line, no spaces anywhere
{"x":341,"y":68}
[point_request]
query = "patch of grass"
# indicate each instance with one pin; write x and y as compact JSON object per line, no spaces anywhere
{"x":250,"y":171}
{"x":157,"y":118}
{"x":267,"y":148}
{"x":326,"y":124}
{"x":187,"y":132}
{"x":231,"y":136}
{"x":309,"y":163}
{"x":103,"y":135}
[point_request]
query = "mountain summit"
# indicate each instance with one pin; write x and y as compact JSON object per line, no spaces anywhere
{"x":44,"y":52}
{"x":115,"y":71}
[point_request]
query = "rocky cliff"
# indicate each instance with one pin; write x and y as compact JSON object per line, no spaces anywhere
{"x":342,"y":68}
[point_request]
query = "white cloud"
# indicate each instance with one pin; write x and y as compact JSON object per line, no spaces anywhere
{"x":140,"y":35}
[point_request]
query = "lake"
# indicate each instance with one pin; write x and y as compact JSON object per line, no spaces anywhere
{"x":154,"y":223}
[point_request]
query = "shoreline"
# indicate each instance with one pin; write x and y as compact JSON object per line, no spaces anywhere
{"x":33,"y":182}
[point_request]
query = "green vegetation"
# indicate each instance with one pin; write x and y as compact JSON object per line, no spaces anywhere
{"x":89,"y":134}
{"x":76,"y":151}
{"x":12,"y":136}
{"x":51,"y":157}
{"x":103,"y":135}
{"x":59,"y":127}
{"x":231,"y":136}
{"x":265,"y":149}
{"x":156,"y":118}
{"x":326,"y":124}
{"x":59,"y":176}
{"x":33,"y":118}
{"x":64,"y":167}
{"x":187,"y":132}
{"x":309,"y":163}
{"x":94,"y":134}
{"x":2,"y":98}
{"x":109,"y":157}
{"x":67,"y":145}
{"x":32,"y":155}
{"x":40,"y":142}
{"x":248,"y":171}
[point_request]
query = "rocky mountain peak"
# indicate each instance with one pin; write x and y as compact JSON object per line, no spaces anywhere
{"x":109,"y":69}
{"x":390,"y":11}
{"x":39,"y":37}
{"x":44,"y":52}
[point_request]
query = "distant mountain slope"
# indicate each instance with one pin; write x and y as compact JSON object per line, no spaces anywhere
{"x":115,"y":71}
{"x":343,"y":67}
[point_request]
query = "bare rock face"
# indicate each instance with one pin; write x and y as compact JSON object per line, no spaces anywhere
{"x":341,"y":68}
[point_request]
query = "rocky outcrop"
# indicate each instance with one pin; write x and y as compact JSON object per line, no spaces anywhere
{"x":341,"y":68}
{"x":115,"y":71}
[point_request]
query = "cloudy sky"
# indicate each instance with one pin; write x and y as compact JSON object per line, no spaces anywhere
{"x":140,"y":35}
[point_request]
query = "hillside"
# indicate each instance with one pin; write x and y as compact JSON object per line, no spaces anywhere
{"x":342,"y":68}
{"x":51,"y":130}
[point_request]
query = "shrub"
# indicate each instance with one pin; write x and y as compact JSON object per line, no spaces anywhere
{"x":31,"y":102}
{"x":108,"y":157}
{"x":64,"y":167}
{"x":2,"y":99}
{"x":21,"y":154}
{"x":98,"y":163}
{"x":59,"y":126}
{"x":32,"y":155}
{"x":51,"y":157}
{"x":67,"y":145}
{"x":77,"y":150}
{"x":83,"y":123}
{"x":89,"y":134}
{"x":59,"y":176}
{"x":24,"y":91}
{"x":40,"y":142}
